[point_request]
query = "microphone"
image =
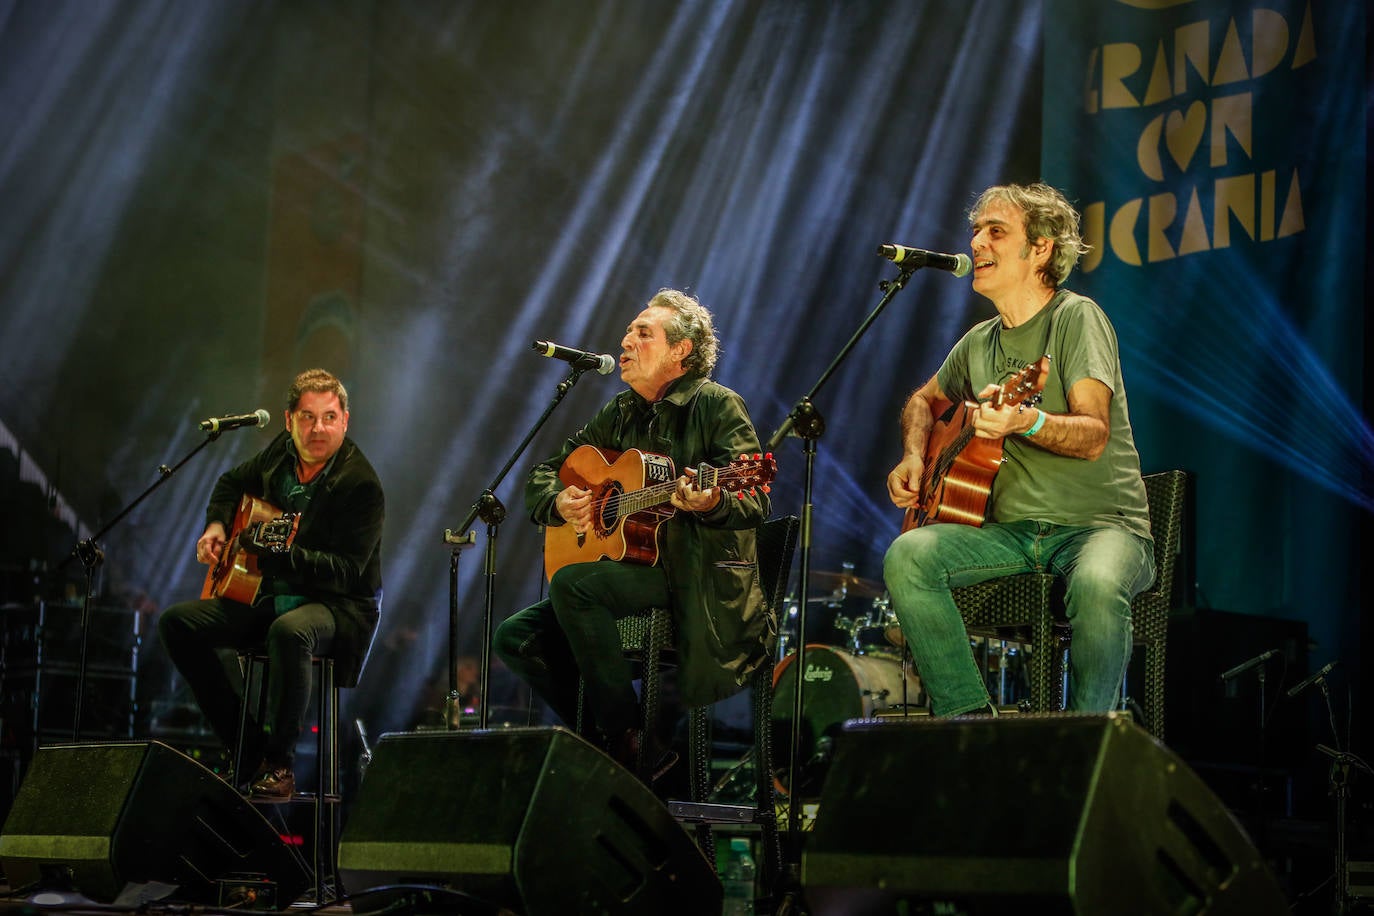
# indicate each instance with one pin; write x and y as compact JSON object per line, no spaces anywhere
{"x":259,"y":417}
{"x":957,"y":264}
{"x":1303,"y":685}
{"x":1246,"y":666}
{"x":580,"y":359}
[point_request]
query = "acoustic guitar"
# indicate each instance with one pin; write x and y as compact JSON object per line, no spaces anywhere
{"x":630,"y":500}
{"x":956,"y":483}
{"x":236,"y":575}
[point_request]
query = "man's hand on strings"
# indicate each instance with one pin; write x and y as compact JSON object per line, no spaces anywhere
{"x":689,"y":498}
{"x":904,"y":482}
{"x":991,"y":422}
{"x":574,"y":504}
{"x":211,"y":544}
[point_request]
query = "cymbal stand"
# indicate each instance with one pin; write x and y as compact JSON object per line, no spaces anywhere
{"x":806,"y":422}
{"x":91,"y":556}
{"x":489,"y":508}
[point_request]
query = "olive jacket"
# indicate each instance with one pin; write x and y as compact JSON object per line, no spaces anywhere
{"x":725,"y":630}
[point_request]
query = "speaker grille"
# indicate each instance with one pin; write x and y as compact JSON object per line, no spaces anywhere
{"x":1076,"y":814}
{"x":105,"y":815}
{"x":534,"y":819}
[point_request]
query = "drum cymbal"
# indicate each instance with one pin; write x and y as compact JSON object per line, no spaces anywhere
{"x":845,"y":582}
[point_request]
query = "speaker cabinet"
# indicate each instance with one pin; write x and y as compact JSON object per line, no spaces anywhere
{"x":95,"y":817}
{"x":1038,"y":813}
{"x":534,"y":819}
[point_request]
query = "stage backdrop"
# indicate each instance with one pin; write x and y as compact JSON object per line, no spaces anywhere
{"x":1217,"y":150}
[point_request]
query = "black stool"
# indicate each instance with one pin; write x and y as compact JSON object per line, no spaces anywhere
{"x":326,"y":796}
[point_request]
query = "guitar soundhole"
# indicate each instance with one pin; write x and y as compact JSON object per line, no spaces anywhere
{"x":608,"y":508}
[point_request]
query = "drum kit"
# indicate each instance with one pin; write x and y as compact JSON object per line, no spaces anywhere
{"x":857,"y":667}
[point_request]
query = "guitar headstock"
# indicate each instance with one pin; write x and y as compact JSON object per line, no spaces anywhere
{"x":748,"y":473}
{"x":1024,"y":386}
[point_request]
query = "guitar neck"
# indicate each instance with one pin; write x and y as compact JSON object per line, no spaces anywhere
{"x":659,"y":493}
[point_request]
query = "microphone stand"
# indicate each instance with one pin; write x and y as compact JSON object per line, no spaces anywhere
{"x":1339,"y":781}
{"x":91,"y":556}
{"x":809,"y":425}
{"x":489,"y":508}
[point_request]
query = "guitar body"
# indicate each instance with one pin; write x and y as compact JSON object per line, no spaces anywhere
{"x":631,"y":499}
{"x":236,"y":576}
{"x":610,"y":475}
{"x":956,"y":484}
{"x":961,"y":494}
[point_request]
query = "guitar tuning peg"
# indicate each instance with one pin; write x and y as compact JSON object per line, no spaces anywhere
{"x":767,"y":488}
{"x":769,"y":456}
{"x":739,"y":495}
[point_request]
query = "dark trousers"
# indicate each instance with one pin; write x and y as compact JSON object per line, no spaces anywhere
{"x":196,"y":632}
{"x":573,"y":632}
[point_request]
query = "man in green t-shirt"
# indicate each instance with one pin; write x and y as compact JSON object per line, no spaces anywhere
{"x":1068,"y":497}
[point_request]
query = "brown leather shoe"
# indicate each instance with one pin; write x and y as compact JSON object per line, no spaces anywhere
{"x":276,"y":784}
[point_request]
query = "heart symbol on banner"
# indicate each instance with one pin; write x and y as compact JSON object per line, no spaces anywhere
{"x":1182,"y":134}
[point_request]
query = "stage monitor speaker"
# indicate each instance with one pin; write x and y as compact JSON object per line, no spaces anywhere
{"x":96,"y":817}
{"x":1033,"y":813}
{"x":534,"y":819}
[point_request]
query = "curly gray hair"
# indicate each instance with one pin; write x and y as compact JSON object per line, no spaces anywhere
{"x":691,"y":321}
{"x":1048,"y":215}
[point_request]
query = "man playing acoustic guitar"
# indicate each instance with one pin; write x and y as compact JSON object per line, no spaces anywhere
{"x":704,"y":565}
{"x":1068,"y":497}
{"x":320,"y":578}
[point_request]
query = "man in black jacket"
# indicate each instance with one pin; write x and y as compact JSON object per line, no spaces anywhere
{"x":319,"y":596}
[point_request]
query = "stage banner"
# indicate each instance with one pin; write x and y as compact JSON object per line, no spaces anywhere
{"x":1217,"y":151}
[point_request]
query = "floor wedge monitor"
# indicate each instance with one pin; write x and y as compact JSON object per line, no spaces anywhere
{"x":1035,"y":813}
{"x":96,"y":817}
{"x":532,"y":819}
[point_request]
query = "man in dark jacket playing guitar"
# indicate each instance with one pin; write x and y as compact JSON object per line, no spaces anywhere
{"x":699,"y":539}
{"x":1067,"y":496}
{"x":312,"y":553}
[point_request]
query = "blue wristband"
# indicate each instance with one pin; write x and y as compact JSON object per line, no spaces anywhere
{"x":1039,"y":422}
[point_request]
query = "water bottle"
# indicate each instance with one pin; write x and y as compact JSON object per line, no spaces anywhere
{"x":738,"y":879}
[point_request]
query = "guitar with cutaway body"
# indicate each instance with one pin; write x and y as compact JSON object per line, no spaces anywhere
{"x":236,"y":575}
{"x":630,"y":500}
{"x":956,"y":483}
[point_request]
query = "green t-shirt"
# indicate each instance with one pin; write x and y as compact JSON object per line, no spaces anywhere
{"x":1034,"y":483}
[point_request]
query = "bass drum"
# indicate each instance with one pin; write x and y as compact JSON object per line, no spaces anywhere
{"x":837,"y":686}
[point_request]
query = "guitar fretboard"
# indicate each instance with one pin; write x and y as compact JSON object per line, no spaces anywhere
{"x":623,"y":504}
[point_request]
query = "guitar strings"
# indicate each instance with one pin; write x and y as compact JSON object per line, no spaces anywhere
{"x":624,"y":503}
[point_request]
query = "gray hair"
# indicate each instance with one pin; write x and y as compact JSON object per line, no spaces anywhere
{"x":1048,"y":215}
{"x":691,"y":321}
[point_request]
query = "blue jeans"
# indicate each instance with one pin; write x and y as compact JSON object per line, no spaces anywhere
{"x":1104,"y":568}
